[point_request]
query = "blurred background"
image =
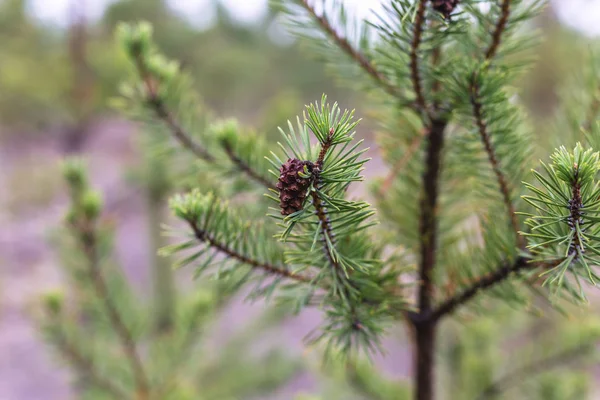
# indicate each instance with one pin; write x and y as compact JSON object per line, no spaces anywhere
{"x":59,"y":66}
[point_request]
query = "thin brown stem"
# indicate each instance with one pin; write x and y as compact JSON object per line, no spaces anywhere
{"x":89,"y":243}
{"x":353,"y":53}
{"x":177,"y":130}
{"x":498,"y":30}
{"x":480,"y":284}
{"x":162,"y":112}
{"x":85,"y":367}
{"x":415,"y":74}
{"x":488,"y":281}
{"x":328,"y":237}
{"x":272,"y":269}
{"x":484,"y":134}
{"x":243,"y":166}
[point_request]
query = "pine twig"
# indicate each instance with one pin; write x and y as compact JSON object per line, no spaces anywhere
{"x":353,"y":53}
{"x":488,"y":281}
{"x":419,"y":25}
{"x":320,"y":209}
{"x":89,"y":243}
{"x":489,"y":149}
{"x":163,"y":113}
{"x":485,"y":282}
{"x":498,"y":30}
{"x":203,"y":236}
{"x":532,"y":369}
{"x":86,"y":367}
{"x":243,"y":166}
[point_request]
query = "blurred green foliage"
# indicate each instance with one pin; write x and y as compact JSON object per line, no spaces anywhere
{"x":238,"y":69}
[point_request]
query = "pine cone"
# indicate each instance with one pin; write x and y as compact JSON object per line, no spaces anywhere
{"x":292,"y":187}
{"x":445,"y":6}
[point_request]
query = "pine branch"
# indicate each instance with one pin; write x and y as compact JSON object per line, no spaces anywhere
{"x":353,"y":53}
{"x":243,"y":166}
{"x":164,"y":114}
{"x":498,"y":30}
{"x":480,"y":284}
{"x":491,"y":152}
{"x":85,"y":366}
{"x":89,"y":247}
{"x":272,"y":269}
{"x":326,"y":230}
{"x":419,"y":25}
{"x":535,"y":368}
{"x":165,"y":84}
{"x":498,"y":276}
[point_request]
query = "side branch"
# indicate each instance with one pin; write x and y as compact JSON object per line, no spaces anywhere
{"x":489,"y":149}
{"x":325,"y":223}
{"x":178,"y":132}
{"x":498,"y":30}
{"x":415,"y":75}
{"x":203,"y":236}
{"x":89,"y":242}
{"x":486,"y":282}
{"x":86,"y":367}
{"x":243,"y":166}
{"x":353,"y":53}
{"x":161,"y":111}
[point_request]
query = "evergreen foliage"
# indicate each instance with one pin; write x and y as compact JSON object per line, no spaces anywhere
{"x":456,"y":138}
{"x":116,"y":344}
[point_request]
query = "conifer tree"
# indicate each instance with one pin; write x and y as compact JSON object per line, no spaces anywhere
{"x":466,"y":226}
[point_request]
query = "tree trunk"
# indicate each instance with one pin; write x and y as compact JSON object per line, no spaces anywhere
{"x":424,"y":359}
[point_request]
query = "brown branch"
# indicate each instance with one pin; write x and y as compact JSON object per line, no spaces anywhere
{"x":489,"y":149}
{"x":353,"y":53}
{"x":532,"y":369}
{"x":414,"y":56}
{"x":243,"y":166}
{"x":162,"y":112}
{"x":499,"y":30}
{"x":318,"y":204}
{"x":203,"y":236}
{"x":485,"y":282}
{"x":178,"y":132}
{"x":89,"y":244}
{"x":85,"y":367}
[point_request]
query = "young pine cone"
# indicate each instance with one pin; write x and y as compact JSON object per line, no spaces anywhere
{"x":445,"y":6}
{"x":292,"y":187}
